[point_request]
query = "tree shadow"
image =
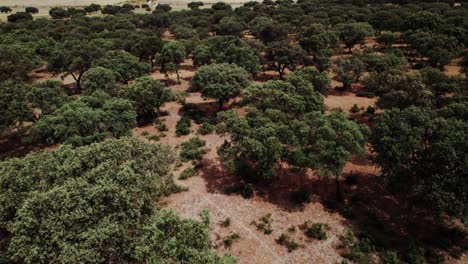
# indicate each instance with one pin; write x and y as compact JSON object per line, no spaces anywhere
{"x":396,"y":222}
{"x":279,"y":191}
{"x":392,"y":222}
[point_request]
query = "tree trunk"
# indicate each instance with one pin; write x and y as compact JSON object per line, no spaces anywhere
{"x":220,"y":102}
{"x":178,"y":77}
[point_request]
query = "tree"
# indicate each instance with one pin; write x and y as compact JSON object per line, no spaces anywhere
{"x":92,"y":8}
{"x":172,"y":55}
{"x":47,"y":97}
{"x":227,"y":49}
{"x":292,"y":98}
{"x":195,"y":5}
{"x":220,"y":81}
{"x":349,"y":70}
{"x":97,"y":202}
{"x":14,"y":105}
{"x":163,"y":8}
{"x":146,"y":48}
{"x":423,"y":154}
{"x":193,"y":243}
{"x":58,"y":13}
{"x":73,"y":57}
{"x":319,"y":80}
{"x":317,"y":38}
{"x":19,"y":17}
{"x":16,"y":61}
{"x":273,"y":32}
{"x":283,"y":55}
{"x":399,"y":90}
{"x":99,"y":78}
{"x":353,"y":33}
{"x":86,"y":120}
{"x":394,"y":60}
{"x":387,"y":39}
{"x":31,"y":10}
{"x":229,"y":26}
{"x":263,"y":139}
{"x":385,"y":20}
{"x":5,"y":9}
{"x":126,"y":66}
{"x":147,"y":95}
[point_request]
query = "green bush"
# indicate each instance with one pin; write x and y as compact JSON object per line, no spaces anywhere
{"x":206,"y":128}
{"x":230,"y":239}
{"x":187,"y":173}
{"x":193,"y":149}
{"x":355,"y":109}
{"x":225,"y":223}
{"x":264,"y":224}
{"x":370,"y":110}
{"x":161,"y":127}
{"x":183,"y":126}
{"x":316,"y":231}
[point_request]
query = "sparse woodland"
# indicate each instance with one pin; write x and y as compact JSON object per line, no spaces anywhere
{"x":312,"y":131}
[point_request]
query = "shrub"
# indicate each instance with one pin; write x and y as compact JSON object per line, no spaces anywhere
{"x":226,"y":222}
{"x":316,"y":231}
{"x":183,"y":126}
{"x":355,"y":109}
{"x":292,"y":229}
{"x":283,"y":239}
{"x":292,"y":245}
{"x":155,"y":137}
{"x":161,"y":127}
{"x":187,"y":173}
{"x":193,"y":149}
{"x":230,"y":239}
{"x":206,"y":128}
{"x":370,"y":110}
{"x":264,"y":224}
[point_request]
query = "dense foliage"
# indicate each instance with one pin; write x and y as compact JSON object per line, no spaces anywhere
{"x":95,"y":204}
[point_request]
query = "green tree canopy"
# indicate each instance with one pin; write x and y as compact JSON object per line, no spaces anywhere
{"x":14,"y":105}
{"x":126,"y":66}
{"x":16,"y":61}
{"x":172,"y":55}
{"x":95,"y":204}
{"x":349,"y":70}
{"x":86,"y":120}
{"x":220,"y":81}
{"x":73,"y":57}
{"x":353,"y":33}
{"x":147,"y":95}
{"x":99,"y":78}
{"x":425,"y":154}
{"x":227,"y":49}
{"x":283,"y":55}
{"x":319,"y":80}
